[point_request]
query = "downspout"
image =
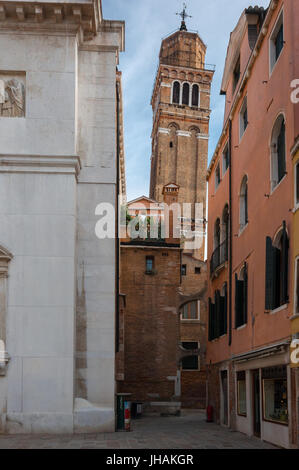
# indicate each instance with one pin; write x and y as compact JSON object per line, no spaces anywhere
{"x":230,"y":236}
{"x":117,"y":243}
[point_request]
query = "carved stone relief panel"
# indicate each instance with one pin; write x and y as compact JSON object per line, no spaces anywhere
{"x":12,"y":94}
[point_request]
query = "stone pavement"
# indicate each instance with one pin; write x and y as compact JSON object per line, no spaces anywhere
{"x":189,"y":431}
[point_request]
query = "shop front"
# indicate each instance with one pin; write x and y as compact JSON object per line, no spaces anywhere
{"x":263,"y":394}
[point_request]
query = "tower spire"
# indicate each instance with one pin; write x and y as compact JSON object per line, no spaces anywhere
{"x":183,"y":15}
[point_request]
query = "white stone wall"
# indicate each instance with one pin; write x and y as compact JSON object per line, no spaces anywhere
{"x":60,"y":271}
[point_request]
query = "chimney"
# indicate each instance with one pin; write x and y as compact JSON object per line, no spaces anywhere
{"x":171,"y":198}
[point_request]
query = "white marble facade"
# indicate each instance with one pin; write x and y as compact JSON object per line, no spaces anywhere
{"x":57,"y":163}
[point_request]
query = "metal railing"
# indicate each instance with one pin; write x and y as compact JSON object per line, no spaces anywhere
{"x":219,"y":256}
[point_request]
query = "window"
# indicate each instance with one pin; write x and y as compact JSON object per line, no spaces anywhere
{"x":218,"y":314}
{"x":217,"y":176}
{"x":241,"y":293}
{"x":150,"y":264}
{"x":241,"y":390}
{"x":275,"y":394}
{"x":191,"y":311}
{"x":190,"y":362}
{"x":195,"y":95}
{"x":184,"y":270}
{"x":278,"y":152}
{"x":176,"y":93}
{"x":225,"y":159}
{"x":186,"y":93}
{"x":197,"y":270}
{"x":237,"y":73}
{"x":277,"y":259}
{"x":276,"y":42}
{"x":244,"y":203}
{"x":243,"y":118}
{"x":297,"y":185}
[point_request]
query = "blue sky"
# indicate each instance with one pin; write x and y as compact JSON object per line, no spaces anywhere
{"x":147,"y":23}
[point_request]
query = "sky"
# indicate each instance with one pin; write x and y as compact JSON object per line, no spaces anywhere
{"x":147,"y":23}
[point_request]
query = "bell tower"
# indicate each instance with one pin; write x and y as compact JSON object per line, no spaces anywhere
{"x":181,"y":114}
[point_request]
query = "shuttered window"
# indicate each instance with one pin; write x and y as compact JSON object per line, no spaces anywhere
{"x":277,"y":264}
{"x":218,"y":315}
{"x":241,"y":301}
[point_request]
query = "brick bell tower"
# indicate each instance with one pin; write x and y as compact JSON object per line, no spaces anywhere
{"x":181,"y":114}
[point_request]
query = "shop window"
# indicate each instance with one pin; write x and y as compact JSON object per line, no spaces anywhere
{"x":241,"y":391}
{"x":243,"y":118}
{"x":190,"y":362}
{"x":276,"y":42}
{"x":241,"y":293}
{"x":275,"y":395}
{"x":277,"y":266}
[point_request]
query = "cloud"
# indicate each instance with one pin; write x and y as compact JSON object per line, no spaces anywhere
{"x":147,"y":22}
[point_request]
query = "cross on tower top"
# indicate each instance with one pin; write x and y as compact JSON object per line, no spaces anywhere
{"x":183,"y":15}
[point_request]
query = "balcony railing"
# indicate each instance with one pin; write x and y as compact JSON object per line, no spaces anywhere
{"x":219,"y":256}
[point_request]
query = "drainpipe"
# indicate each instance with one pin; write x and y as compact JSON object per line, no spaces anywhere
{"x":230,"y":236}
{"x":117,"y":243}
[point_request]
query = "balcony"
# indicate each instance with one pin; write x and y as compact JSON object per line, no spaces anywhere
{"x":219,"y":257}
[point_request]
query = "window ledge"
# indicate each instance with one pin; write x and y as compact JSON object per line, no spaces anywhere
{"x":277,"y":185}
{"x":190,"y":320}
{"x":295,"y":316}
{"x":278,"y":309}
{"x":241,"y":327}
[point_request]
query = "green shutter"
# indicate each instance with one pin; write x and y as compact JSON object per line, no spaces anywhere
{"x":217,"y":313}
{"x":210,"y":320}
{"x":285,"y":265}
{"x":239,"y":302}
{"x":245,"y":294}
{"x":269,"y":291}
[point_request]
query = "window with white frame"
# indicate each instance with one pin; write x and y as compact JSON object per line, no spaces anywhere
{"x":243,"y":117}
{"x":278,"y":152}
{"x":191,"y":311}
{"x":186,"y":94}
{"x":276,"y":41}
{"x":244,"y":203}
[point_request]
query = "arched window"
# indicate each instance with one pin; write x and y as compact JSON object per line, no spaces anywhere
{"x":244,"y":203}
{"x":277,"y":259}
{"x":224,"y":233}
{"x":186,"y":93}
{"x":217,"y":234}
{"x":278,"y":152}
{"x":195,"y":95}
{"x":176,"y":93}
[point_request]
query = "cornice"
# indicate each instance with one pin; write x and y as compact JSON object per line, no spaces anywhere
{"x":40,"y":164}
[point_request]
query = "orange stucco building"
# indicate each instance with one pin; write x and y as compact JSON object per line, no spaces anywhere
{"x":250,"y":239}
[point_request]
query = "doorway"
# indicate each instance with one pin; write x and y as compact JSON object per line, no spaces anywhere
{"x":256,"y":403}
{"x":224,"y":393}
